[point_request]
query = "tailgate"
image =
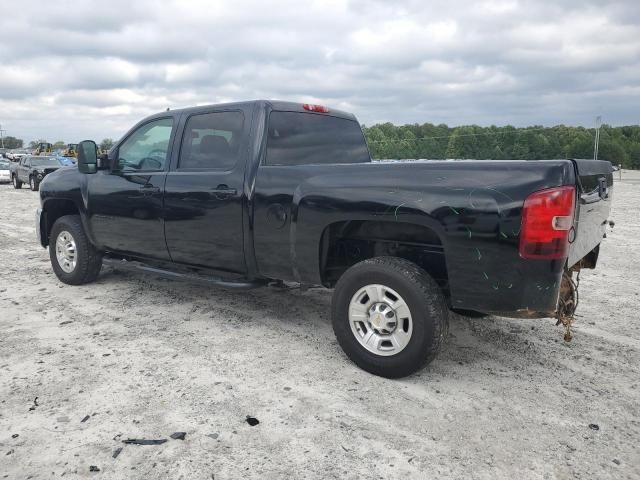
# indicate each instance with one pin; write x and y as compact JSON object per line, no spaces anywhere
{"x":595,"y":188}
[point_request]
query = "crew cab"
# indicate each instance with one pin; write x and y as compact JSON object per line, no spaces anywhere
{"x":240,"y":195}
{"x":32,"y":169}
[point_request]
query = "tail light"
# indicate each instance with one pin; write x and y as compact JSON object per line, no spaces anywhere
{"x":315,"y":108}
{"x":547,"y":218}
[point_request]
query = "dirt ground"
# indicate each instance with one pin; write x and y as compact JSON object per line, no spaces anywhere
{"x":139,"y":357}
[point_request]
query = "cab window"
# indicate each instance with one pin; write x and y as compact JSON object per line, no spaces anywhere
{"x":211,"y":141}
{"x":296,"y":138}
{"x":146,"y":148}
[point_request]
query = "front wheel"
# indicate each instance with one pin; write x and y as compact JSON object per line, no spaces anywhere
{"x":33,"y":184}
{"x":17,"y":184}
{"x":74,"y":259}
{"x":389,"y":316}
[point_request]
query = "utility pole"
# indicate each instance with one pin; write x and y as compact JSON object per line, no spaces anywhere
{"x":2,"y":130}
{"x":595,"y":145}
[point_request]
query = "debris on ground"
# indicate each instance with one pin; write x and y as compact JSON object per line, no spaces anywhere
{"x":252,"y":421}
{"x":594,"y":426}
{"x":35,"y":404}
{"x":87,"y":417}
{"x":144,"y":441}
{"x":15,"y":435}
{"x":213,"y":435}
{"x":93,"y":468}
{"x":117,"y":452}
{"x":178,"y":435}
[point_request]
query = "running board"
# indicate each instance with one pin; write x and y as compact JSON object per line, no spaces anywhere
{"x":192,"y":277}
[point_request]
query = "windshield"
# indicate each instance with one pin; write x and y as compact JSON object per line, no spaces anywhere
{"x":4,"y":165}
{"x":45,"y":162}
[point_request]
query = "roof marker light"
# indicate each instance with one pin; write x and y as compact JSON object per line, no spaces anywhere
{"x":315,"y":108}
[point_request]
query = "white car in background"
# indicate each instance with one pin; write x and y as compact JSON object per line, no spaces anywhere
{"x":4,"y":170}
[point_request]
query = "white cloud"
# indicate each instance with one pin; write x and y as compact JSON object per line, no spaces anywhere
{"x":92,"y":69}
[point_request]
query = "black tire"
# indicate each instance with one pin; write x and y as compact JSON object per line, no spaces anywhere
{"x":17,"y":184}
{"x":426,"y":303}
{"x":88,"y":259}
{"x":33,"y":184}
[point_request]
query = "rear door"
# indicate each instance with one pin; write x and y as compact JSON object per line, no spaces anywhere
{"x":126,"y":203}
{"x":204,"y":191}
{"x":595,"y":190}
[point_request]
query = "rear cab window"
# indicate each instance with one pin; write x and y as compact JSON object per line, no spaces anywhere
{"x":211,"y":141}
{"x":298,"y":138}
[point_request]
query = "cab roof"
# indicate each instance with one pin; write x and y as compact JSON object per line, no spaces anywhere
{"x":268,"y":104}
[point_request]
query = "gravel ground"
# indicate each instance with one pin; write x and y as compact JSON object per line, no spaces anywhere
{"x":139,"y":357}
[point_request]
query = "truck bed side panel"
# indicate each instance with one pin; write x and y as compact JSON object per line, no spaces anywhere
{"x":474,"y":207}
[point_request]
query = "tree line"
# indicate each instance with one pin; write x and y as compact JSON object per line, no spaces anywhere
{"x":13,"y":142}
{"x":619,"y":145}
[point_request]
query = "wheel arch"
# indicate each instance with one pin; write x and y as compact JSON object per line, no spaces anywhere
{"x":347,"y":242}
{"x":52,"y":210}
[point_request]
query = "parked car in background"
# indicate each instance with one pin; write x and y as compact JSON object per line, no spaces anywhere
{"x":16,"y":155}
{"x":64,"y":160}
{"x":32,"y":169}
{"x":5,"y":175}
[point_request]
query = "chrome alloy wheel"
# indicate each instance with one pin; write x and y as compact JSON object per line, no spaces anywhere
{"x":66,"y":252}
{"x":380,"y":320}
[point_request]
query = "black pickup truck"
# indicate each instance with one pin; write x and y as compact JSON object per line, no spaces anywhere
{"x":243,"y":194}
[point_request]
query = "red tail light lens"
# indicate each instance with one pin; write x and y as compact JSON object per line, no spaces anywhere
{"x":315,"y":108}
{"x":547,"y":217}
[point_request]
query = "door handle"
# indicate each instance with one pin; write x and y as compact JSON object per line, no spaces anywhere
{"x":149,"y":189}
{"x":223,"y":191}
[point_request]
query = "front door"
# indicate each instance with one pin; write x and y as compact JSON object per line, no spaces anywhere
{"x":126,"y":203}
{"x":204,"y":194}
{"x":22,"y":170}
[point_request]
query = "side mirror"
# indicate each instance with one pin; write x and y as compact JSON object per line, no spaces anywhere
{"x":87,"y":156}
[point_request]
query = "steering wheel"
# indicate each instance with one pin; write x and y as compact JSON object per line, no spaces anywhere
{"x":148,"y":163}
{"x":157,"y":153}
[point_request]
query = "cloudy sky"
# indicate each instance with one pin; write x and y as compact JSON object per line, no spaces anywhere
{"x":78,"y":69}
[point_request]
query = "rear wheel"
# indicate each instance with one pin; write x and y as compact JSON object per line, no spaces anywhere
{"x":74,"y":259}
{"x":16,"y":183}
{"x":389,"y":316}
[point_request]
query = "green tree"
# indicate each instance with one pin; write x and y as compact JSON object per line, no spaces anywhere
{"x":12,"y":142}
{"x":106,"y":144}
{"x":617,"y":144}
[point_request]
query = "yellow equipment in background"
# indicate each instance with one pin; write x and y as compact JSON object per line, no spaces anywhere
{"x":44,"y":148}
{"x":71,"y":150}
